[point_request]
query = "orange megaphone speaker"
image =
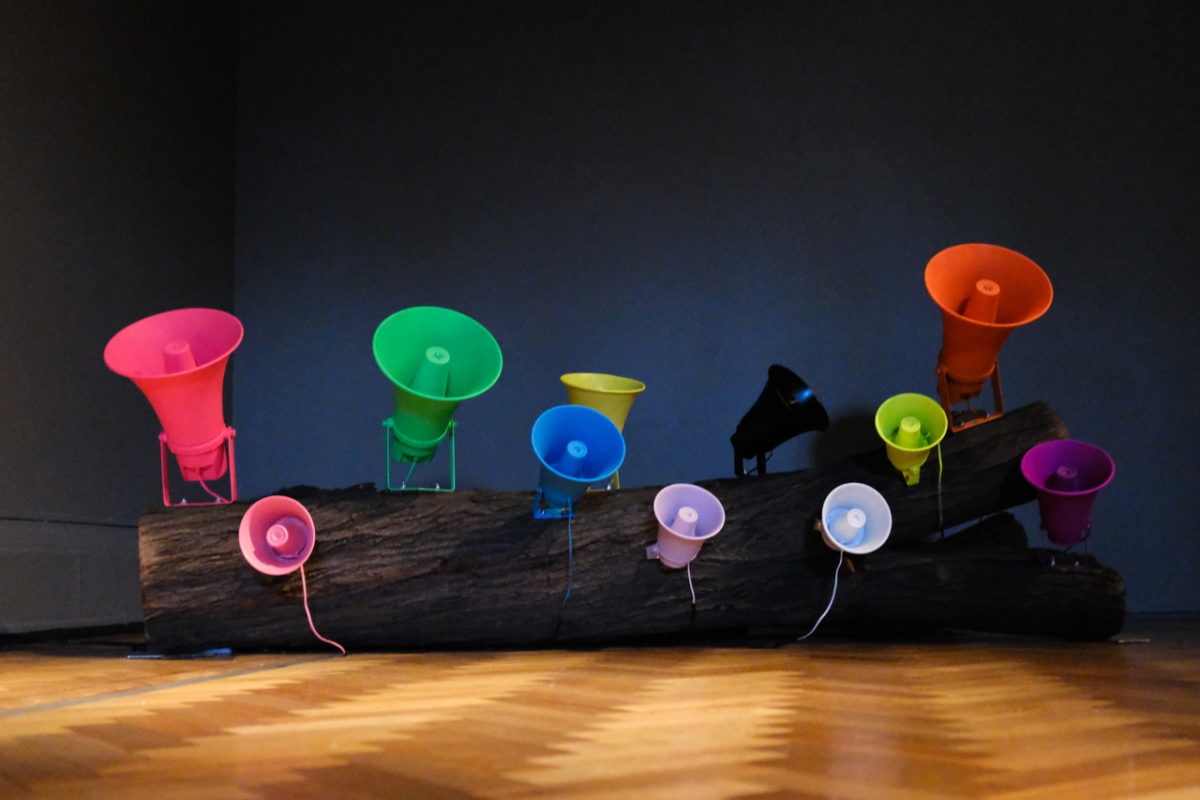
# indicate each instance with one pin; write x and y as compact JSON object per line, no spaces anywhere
{"x":785,"y":408}
{"x":177,"y":358}
{"x":611,"y":395}
{"x":910,"y":425}
{"x":984,"y":292}
{"x":277,"y":535}
{"x":437,"y":358}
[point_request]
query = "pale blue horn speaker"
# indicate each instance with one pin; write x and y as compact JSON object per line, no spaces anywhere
{"x":577,"y":446}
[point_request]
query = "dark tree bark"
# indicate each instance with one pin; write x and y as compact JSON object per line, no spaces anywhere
{"x":475,"y":569}
{"x":984,"y":578}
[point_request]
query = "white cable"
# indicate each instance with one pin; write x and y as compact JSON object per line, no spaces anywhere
{"x":841,"y":556}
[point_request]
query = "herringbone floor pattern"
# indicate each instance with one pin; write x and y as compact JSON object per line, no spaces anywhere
{"x":962,"y":718}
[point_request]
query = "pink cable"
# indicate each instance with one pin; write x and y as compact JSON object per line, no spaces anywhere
{"x":211,"y":493}
{"x":304,"y":587}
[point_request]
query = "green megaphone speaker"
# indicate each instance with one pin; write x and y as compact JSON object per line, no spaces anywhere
{"x":910,"y":425}
{"x":437,"y":358}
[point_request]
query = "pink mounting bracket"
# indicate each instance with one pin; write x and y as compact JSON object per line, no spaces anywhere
{"x":225,"y":438}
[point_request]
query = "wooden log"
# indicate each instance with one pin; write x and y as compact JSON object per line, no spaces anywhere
{"x":474,"y":568}
{"x":985,"y":578}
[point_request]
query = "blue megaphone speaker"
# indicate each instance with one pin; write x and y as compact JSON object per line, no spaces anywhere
{"x":436,"y":358}
{"x":577,"y":446}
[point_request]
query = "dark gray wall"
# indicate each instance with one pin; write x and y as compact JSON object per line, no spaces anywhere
{"x":680,"y":194}
{"x":116,"y":202}
{"x":686,"y":193}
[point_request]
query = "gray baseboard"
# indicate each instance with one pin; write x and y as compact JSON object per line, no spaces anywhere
{"x":56,"y":575}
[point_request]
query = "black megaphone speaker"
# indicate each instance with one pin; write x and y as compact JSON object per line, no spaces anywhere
{"x":785,"y":408}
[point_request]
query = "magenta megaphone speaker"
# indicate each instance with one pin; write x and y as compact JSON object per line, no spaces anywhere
{"x":1067,"y":476}
{"x":177,"y":358}
{"x":688,"y":516}
{"x":276,"y":535}
{"x":785,"y":408}
{"x":984,"y":293}
{"x":855,"y":519}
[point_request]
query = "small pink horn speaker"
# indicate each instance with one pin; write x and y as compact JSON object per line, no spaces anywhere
{"x":688,"y":516}
{"x":276,"y":535}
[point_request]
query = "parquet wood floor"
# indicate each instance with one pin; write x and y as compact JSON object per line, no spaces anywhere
{"x":955,"y":718}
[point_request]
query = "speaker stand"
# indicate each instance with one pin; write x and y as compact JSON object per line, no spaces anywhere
{"x":225,"y":439}
{"x":971,"y":416}
{"x":739,"y":468}
{"x":404,"y":487}
{"x":614,"y":482}
{"x":544,"y":512}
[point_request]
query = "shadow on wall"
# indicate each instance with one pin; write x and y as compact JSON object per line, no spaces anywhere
{"x":849,"y":434}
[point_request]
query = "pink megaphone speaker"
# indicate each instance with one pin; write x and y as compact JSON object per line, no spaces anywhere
{"x":277,"y":535}
{"x":1067,"y":475}
{"x":177,"y":358}
{"x":984,"y":292}
{"x":688,"y":516}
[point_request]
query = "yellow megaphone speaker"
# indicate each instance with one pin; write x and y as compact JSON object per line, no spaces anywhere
{"x":611,"y":395}
{"x":984,"y":292}
{"x":910,"y":425}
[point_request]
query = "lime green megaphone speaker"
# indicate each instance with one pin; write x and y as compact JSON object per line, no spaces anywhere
{"x":910,"y":425}
{"x":436,"y":358}
{"x":611,"y":395}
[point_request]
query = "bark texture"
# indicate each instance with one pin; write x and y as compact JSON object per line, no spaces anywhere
{"x":474,"y":568}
